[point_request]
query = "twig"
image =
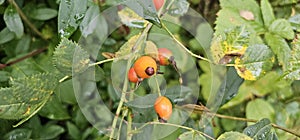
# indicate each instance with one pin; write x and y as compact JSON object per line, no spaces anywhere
{"x":178,"y":126}
{"x":26,"y":20}
{"x":202,"y":109}
{"x":33,"y":53}
{"x":182,"y":46}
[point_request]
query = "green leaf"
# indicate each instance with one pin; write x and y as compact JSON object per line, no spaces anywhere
{"x":258,"y":109}
{"x":94,"y":22}
{"x":6,"y":35}
{"x":293,"y":70}
{"x":267,"y":12}
{"x":54,"y":110}
{"x":143,"y":102}
{"x":70,"y":15}
{"x":282,"y":28}
{"x":144,"y":8}
{"x":2,"y":1}
{"x":233,"y":136}
{"x":125,"y":51}
{"x":26,"y":96}
{"x":280,"y":47}
{"x":65,"y":92}
{"x":13,"y":21}
{"x":43,"y":13}
{"x":190,"y":135}
{"x":179,"y":8}
{"x":73,"y":131}
{"x":229,"y":16}
{"x":51,"y":131}
{"x":295,"y":22}
{"x":131,"y":19}
{"x":230,"y":86}
{"x":261,"y":130}
{"x":70,"y":57}
{"x":17,"y":134}
{"x":257,"y":60}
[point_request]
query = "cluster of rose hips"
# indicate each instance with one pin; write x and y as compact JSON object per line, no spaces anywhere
{"x":146,"y":66}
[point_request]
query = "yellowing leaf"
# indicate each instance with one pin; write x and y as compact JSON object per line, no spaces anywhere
{"x":248,"y":15}
{"x":131,"y":19}
{"x":130,"y":47}
{"x":151,"y":50}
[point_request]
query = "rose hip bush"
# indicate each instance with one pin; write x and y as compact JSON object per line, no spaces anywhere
{"x":150,"y":69}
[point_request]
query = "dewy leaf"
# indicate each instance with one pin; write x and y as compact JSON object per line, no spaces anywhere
{"x":70,"y":57}
{"x":179,"y":8}
{"x":146,"y":9}
{"x":26,"y":96}
{"x":293,"y":69}
{"x":280,"y":48}
{"x":256,"y":61}
{"x":70,"y":14}
{"x":267,"y":12}
{"x":234,"y":136}
{"x":258,"y":109}
{"x":131,"y":19}
{"x":13,"y":21}
{"x":43,"y":13}
{"x":282,"y":28}
{"x":262,"y":130}
{"x":190,"y":135}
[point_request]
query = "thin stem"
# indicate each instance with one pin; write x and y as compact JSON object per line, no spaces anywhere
{"x":26,"y":20}
{"x":129,"y":118}
{"x":178,"y":126}
{"x":123,"y":98}
{"x":121,"y":122}
{"x":183,"y":47}
{"x":202,"y":109}
{"x":158,"y":89}
{"x":33,"y":53}
{"x":101,"y":62}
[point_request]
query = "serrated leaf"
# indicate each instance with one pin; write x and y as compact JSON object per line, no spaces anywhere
{"x":295,"y":22}
{"x":257,"y":60}
{"x":43,"y":13}
{"x":69,"y":16}
{"x":282,"y":28}
{"x":261,"y":130}
{"x":70,"y":57}
{"x":229,"y":16}
{"x":6,"y":35}
{"x":13,"y":21}
{"x":267,"y":12}
{"x":234,"y":136}
{"x":191,"y":136}
{"x":144,"y":8}
{"x":280,"y":48}
{"x":126,"y":50}
{"x":293,"y":69}
{"x":179,"y":8}
{"x":234,"y":43}
{"x":26,"y":96}
{"x":258,"y":109}
{"x":131,"y":19}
